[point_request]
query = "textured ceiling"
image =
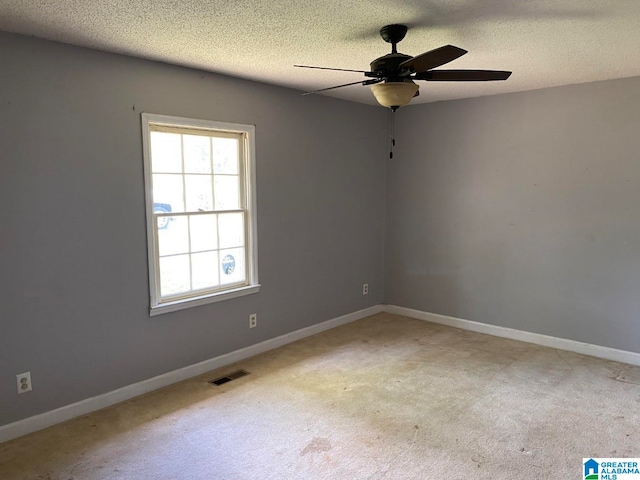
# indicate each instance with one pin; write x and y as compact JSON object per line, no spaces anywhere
{"x":544,"y":42}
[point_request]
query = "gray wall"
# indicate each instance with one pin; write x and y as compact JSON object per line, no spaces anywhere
{"x":517,"y":210}
{"x":521,"y":210}
{"x":73,"y":269}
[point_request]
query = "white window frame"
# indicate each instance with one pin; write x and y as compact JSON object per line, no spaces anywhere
{"x":248,"y":164}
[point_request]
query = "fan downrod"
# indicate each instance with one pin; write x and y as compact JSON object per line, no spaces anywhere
{"x":393,"y":34}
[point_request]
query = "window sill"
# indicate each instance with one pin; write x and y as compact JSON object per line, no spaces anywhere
{"x":196,"y":302}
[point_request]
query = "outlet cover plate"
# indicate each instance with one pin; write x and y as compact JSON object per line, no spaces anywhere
{"x":23,"y":381}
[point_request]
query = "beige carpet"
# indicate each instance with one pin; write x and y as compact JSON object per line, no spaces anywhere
{"x":383,"y":398}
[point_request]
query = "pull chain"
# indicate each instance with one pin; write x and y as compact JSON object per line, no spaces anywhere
{"x":393,"y":130}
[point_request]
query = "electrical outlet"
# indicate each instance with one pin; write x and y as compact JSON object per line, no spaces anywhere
{"x":365,"y":289}
{"x":253,"y":320}
{"x":24,"y":382}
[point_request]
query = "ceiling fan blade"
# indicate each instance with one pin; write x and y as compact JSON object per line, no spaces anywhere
{"x":329,"y":68}
{"x":433,"y":58}
{"x":362,"y":82}
{"x":462,"y":75}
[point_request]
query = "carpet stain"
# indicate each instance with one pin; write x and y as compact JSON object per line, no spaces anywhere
{"x":629,"y":375}
{"x":477,"y":459}
{"x":316,"y":445}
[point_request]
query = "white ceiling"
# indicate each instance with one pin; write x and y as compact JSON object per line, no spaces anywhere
{"x":544,"y":42}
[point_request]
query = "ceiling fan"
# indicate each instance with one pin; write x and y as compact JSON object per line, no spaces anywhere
{"x":392,"y":76}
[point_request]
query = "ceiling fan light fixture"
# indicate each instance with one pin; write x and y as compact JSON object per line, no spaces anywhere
{"x":394,"y":94}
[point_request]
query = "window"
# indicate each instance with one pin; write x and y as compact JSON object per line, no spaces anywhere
{"x":201,"y":214}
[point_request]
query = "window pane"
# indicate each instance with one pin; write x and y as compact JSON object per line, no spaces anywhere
{"x":197,"y":154}
{"x":199,"y":179}
{"x":225,"y":155}
{"x":174,"y":275}
{"x":204,"y":270}
{"x":227,"y":192}
{"x":166,"y":153}
{"x":167,"y":189}
{"x":174,"y":238}
{"x":199,"y":193}
{"x":232,"y":269}
{"x":204,"y":232}
{"x":231,"y":230}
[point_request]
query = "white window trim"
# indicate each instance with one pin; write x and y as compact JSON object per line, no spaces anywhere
{"x":157,"y":308}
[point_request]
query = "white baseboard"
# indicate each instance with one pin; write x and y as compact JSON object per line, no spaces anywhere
{"x":83,"y":407}
{"x":598,"y":351}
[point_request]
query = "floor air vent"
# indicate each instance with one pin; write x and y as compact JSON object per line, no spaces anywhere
{"x":228,"y":378}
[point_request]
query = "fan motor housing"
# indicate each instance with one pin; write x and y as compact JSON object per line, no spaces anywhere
{"x":389,"y":63}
